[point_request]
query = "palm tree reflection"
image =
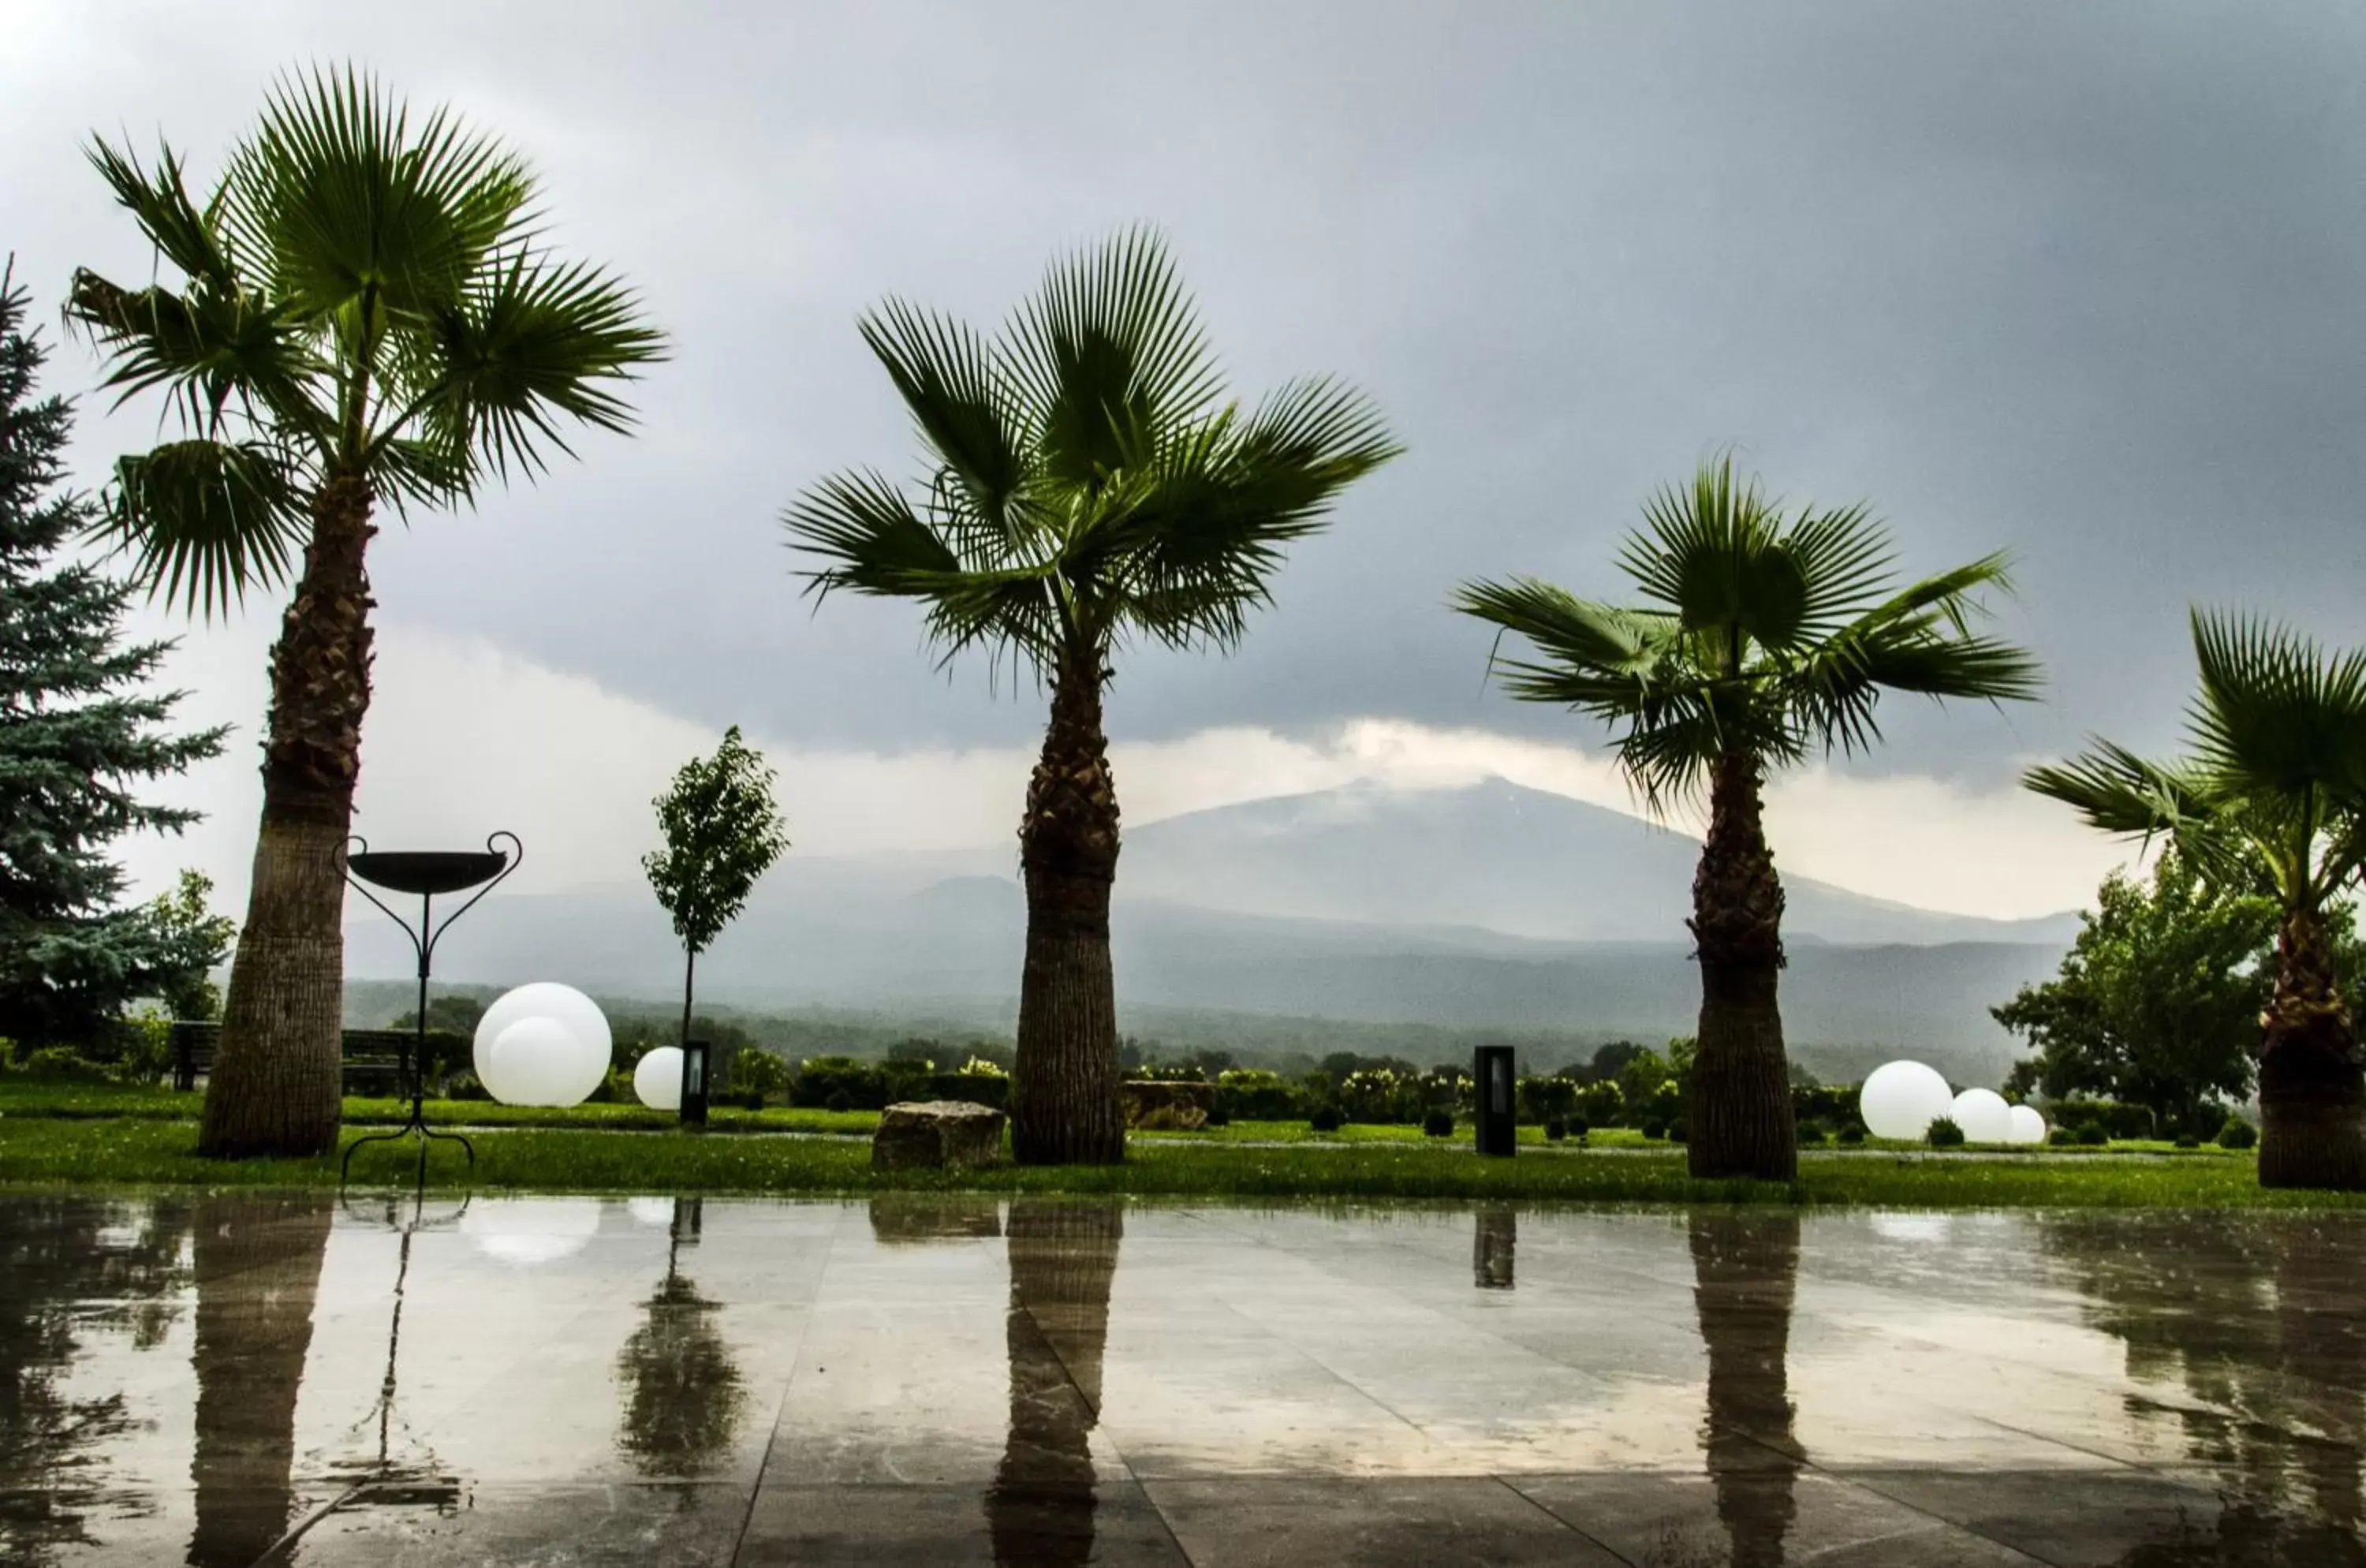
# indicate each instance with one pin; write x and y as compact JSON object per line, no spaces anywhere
{"x":257,"y":1261}
{"x":683,"y":1392}
{"x":1063,"y":1257}
{"x":2258,"y":1319}
{"x":1745,"y":1269}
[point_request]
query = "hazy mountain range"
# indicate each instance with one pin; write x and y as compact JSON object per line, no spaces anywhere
{"x":1492,"y":906}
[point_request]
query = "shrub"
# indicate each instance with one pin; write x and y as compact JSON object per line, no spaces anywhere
{"x":760,"y":1073}
{"x":747,"y":1099}
{"x":978,"y":1089}
{"x":1852,"y":1135}
{"x":1438,"y":1122}
{"x":1944,"y":1134}
{"x":1655,"y":1129}
{"x":1556,"y":1128}
{"x":464,"y":1085}
{"x":1579,"y":1127}
{"x":1599,"y":1103}
{"x":821,"y":1079}
{"x":60,"y":1064}
{"x":1326,"y":1119}
{"x":1219,"y":1117}
{"x":1253,"y":1095}
{"x":2238,"y":1133}
{"x":1677,"y":1132}
{"x":1543,"y":1100}
{"x":2185,"y":1141}
{"x":2093,"y":1136}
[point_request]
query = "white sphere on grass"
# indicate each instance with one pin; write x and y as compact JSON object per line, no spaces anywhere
{"x":657,"y":1080}
{"x":2028,"y":1127}
{"x":1900,"y":1100}
{"x":540,"y":1061}
{"x":578,"y":1013}
{"x":1984,"y":1116}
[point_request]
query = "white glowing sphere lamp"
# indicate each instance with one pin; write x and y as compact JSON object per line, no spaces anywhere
{"x":657,"y":1080}
{"x":576,"y":1013}
{"x":1900,"y":1100}
{"x":2028,"y":1127}
{"x":540,"y":1061}
{"x":1984,"y":1116}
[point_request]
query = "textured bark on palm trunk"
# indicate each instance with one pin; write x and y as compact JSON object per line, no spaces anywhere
{"x":1740,"y":1109}
{"x":2311,"y":1095}
{"x":1745,"y":1273}
{"x":275,"y":1086}
{"x":1064,"y":1101}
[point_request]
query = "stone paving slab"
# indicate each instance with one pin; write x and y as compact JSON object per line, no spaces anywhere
{"x":226,"y":1381}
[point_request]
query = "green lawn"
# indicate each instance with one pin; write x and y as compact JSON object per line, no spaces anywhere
{"x":149,"y":1147}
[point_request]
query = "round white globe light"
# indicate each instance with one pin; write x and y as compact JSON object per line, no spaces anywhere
{"x":526,"y":1232}
{"x":1900,"y":1100}
{"x":1984,"y":1116}
{"x":543,"y":998}
{"x":540,"y":1061}
{"x":657,"y":1081}
{"x":2028,"y":1127}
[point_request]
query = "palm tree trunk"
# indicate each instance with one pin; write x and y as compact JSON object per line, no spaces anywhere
{"x":2312,"y":1096}
{"x":275,"y":1086}
{"x":1740,"y":1115}
{"x":1064,"y":1099}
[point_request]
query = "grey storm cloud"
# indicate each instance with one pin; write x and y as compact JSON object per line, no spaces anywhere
{"x":2082,"y":281}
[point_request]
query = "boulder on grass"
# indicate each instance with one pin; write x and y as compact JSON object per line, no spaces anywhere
{"x":1155,"y":1105}
{"x":948,"y":1134}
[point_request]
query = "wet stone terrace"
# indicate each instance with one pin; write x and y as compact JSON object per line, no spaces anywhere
{"x":236,"y":1380}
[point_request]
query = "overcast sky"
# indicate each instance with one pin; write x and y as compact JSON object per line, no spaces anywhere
{"x":2080,"y":281}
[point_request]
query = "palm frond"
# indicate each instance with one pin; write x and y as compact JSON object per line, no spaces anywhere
{"x":204,"y":349}
{"x":1107,"y":357}
{"x":2120,"y":792}
{"x":2278,"y":714}
{"x":1184,"y":549}
{"x":158,"y":202}
{"x":205,"y":521}
{"x":347,"y":202}
{"x":950,"y":380}
{"x":530,"y":342}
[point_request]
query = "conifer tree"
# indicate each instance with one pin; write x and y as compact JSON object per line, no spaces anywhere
{"x":81,"y":729}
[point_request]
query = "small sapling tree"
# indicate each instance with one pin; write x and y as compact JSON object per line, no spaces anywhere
{"x":721,"y":832}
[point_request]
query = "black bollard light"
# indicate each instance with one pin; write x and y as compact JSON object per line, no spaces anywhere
{"x":694,"y":1083}
{"x":1498,"y":1119}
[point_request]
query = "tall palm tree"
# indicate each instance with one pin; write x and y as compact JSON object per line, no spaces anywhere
{"x":2273,"y":791}
{"x":366,"y":312}
{"x":1088,"y":482}
{"x":1761,"y":641}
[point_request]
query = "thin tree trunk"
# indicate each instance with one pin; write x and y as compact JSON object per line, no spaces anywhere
{"x":2312,"y":1096}
{"x":1740,"y":1115}
{"x":274,"y":1088}
{"x":1745,"y":1272}
{"x":689,"y":969}
{"x":257,"y":1262}
{"x":1064,"y":1099}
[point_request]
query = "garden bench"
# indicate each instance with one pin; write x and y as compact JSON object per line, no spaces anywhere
{"x":373,"y":1057}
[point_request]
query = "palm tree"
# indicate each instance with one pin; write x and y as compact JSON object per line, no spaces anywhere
{"x":1088,"y":482}
{"x":2274,"y":792}
{"x":366,"y":312}
{"x":1762,"y":642}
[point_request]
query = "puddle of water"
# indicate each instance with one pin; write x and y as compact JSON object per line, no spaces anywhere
{"x":195,"y":1378}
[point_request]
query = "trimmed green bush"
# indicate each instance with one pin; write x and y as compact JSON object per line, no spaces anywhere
{"x":1556,"y":1128}
{"x":1852,"y":1135}
{"x":2185,"y":1141}
{"x":1326,"y":1119}
{"x":2238,"y":1133}
{"x":2093,"y":1137}
{"x":1944,"y":1134}
{"x":1438,"y":1122}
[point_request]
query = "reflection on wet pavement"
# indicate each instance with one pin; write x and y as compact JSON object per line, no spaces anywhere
{"x":245,"y":1379}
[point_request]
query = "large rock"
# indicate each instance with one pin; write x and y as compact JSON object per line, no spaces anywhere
{"x":1159,"y":1106}
{"x":949,"y":1134}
